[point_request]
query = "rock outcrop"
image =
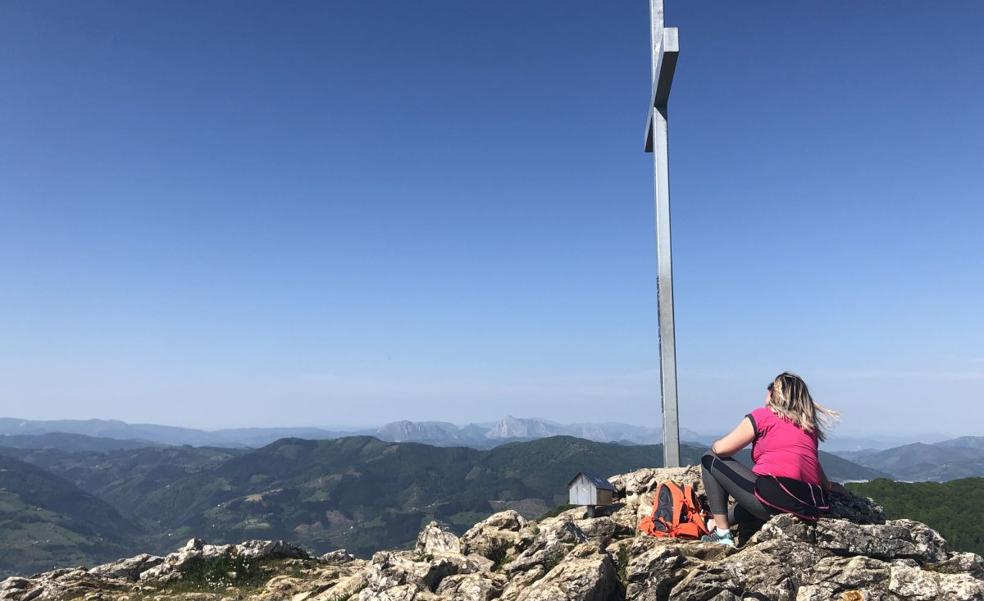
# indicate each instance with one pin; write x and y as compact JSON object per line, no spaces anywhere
{"x":854,"y":554}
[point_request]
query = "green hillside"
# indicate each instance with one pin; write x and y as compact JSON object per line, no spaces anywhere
{"x":954,"y":508}
{"x":46,"y":522}
{"x":124,"y":478}
{"x":364,"y":494}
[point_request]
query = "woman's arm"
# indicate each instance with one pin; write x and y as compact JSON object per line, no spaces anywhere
{"x":735,"y":440}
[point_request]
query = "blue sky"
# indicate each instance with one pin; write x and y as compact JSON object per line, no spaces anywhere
{"x":315,"y":213}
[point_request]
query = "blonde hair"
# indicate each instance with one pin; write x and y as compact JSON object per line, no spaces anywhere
{"x":790,"y":398}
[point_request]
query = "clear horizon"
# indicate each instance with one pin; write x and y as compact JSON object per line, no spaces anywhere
{"x":921,"y":436}
{"x":251,"y":214}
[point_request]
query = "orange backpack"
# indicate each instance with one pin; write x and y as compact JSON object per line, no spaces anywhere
{"x":676,"y":513}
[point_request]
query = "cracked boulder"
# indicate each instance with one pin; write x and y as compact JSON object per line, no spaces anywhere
{"x":587,"y":573}
{"x":498,"y":537}
{"x":895,"y":539}
{"x":436,"y":540}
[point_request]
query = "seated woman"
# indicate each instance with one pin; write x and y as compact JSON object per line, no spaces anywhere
{"x":787,"y":476}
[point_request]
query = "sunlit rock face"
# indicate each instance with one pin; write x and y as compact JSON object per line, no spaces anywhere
{"x":854,"y":554}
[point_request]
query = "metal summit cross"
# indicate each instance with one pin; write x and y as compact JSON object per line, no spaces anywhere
{"x":665,"y":49}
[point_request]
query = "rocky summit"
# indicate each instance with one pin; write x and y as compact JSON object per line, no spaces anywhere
{"x":854,"y":554}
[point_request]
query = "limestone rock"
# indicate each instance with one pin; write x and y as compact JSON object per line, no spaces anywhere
{"x":771,"y":570}
{"x":338,"y":556}
{"x":399,"y":575}
{"x":498,"y":537}
{"x":15,"y":584}
{"x":400,"y":592}
{"x":601,"y":530}
{"x":652,"y":573}
{"x":504,"y":520}
{"x":625,"y":518}
{"x":175,"y":564}
{"x":471,"y":587}
{"x":586,"y":574}
{"x":895,"y":539}
{"x":630,"y":488}
{"x":127,"y":569}
{"x":655,"y":565}
{"x":866,"y":578}
{"x":269,"y":549}
{"x":556,"y":537}
{"x":343,"y":588}
{"x":961,"y":563}
{"x":285,"y":587}
{"x":433,"y":539}
{"x":59,"y":584}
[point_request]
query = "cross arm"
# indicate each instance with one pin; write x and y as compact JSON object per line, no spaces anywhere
{"x":665,"y":59}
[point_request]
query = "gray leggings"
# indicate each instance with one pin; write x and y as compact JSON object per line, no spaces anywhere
{"x":723,"y":476}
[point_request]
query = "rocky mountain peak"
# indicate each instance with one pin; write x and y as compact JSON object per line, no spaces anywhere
{"x":514,"y":427}
{"x":853,"y":554}
{"x":404,"y":431}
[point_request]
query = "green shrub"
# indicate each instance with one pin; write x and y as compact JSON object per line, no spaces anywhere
{"x":623,"y":564}
{"x":955,"y":509}
{"x":220,"y":572}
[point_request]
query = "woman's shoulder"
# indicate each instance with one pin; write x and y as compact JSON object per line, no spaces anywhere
{"x":761,"y":414}
{"x":761,"y":419}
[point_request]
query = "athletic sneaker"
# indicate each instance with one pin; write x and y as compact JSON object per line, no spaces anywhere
{"x":715,"y":537}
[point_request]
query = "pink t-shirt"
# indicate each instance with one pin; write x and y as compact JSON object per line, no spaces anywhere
{"x":782,"y":448}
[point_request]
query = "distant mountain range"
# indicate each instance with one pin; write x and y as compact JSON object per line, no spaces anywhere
{"x":513,"y":429}
{"x":157,"y":434}
{"x":946,"y":460}
{"x":477,"y":436}
{"x":70,"y":442}
{"x":964,"y":442}
{"x":838,"y":442}
{"x":933,"y":458}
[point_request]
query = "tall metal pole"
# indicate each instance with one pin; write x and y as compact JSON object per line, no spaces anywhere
{"x":665,"y":49}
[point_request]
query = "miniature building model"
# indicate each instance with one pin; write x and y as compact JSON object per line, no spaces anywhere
{"x":587,"y":489}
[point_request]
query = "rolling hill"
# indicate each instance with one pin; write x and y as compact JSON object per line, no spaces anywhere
{"x":47,"y":522}
{"x":364,"y":494}
{"x":125,"y":477}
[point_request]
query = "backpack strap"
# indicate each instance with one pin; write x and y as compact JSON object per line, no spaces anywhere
{"x":676,"y":512}
{"x":697,"y":514}
{"x":653,"y":524}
